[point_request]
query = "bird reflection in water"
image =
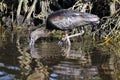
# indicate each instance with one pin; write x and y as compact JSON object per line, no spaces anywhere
{"x":46,"y":51}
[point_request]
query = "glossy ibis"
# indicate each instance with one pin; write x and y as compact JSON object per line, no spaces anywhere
{"x":64,"y":20}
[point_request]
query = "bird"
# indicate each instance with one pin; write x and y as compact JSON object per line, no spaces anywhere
{"x":64,"y":20}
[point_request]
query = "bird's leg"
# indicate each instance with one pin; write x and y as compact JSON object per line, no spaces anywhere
{"x":66,"y":51}
{"x":77,"y":34}
{"x":68,"y":40}
{"x":64,"y":39}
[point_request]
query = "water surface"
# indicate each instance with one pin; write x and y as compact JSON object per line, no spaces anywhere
{"x":81,"y":61}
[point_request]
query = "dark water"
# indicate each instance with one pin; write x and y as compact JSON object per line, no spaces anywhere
{"x":78,"y":62}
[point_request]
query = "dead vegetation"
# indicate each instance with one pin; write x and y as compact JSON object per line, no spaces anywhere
{"x":30,"y":14}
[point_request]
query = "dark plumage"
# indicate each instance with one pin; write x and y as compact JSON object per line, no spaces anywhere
{"x":68,"y":19}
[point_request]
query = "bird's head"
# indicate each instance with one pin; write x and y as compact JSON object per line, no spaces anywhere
{"x":40,"y":32}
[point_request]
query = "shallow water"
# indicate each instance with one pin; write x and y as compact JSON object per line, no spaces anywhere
{"x":78,"y":62}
